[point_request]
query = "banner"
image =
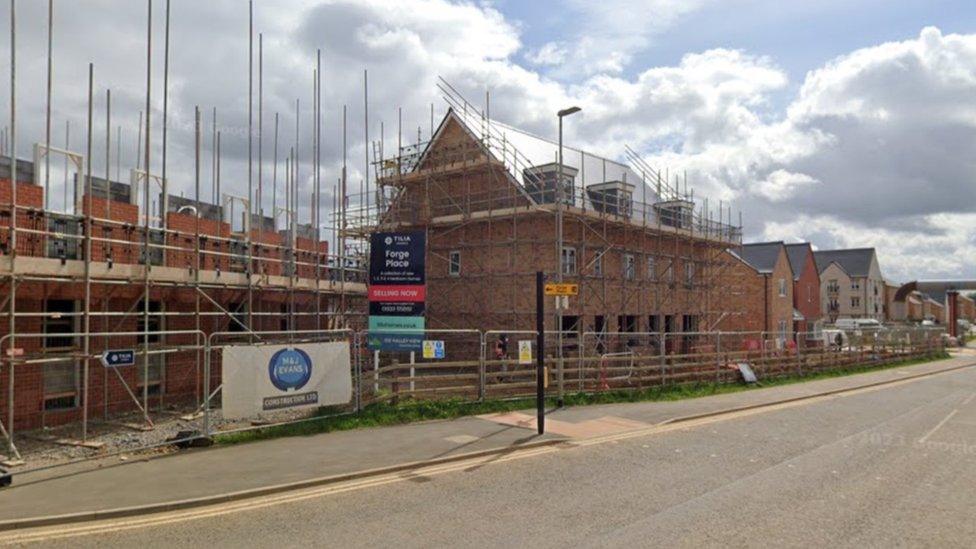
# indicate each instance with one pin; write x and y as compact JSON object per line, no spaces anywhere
{"x":265,"y":378}
{"x":397,"y":259}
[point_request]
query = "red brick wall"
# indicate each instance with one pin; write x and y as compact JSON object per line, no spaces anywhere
{"x":806,"y":293}
{"x":28,"y":195}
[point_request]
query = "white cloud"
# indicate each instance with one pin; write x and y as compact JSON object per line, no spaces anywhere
{"x":877,"y":148}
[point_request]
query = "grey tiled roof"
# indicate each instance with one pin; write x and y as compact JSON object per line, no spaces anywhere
{"x":761,"y":256}
{"x":856,"y":261}
{"x":798,"y":256}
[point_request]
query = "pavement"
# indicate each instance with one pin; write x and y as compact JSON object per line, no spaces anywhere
{"x":233,"y":469}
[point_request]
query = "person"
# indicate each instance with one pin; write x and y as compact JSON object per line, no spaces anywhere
{"x":501,"y":353}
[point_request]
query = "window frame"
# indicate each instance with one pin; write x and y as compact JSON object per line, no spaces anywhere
{"x":454,"y":263}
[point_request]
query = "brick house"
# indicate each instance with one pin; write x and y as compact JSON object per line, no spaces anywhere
{"x":851,"y":283}
{"x":806,"y":287}
{"x":489,"y":195}
{"x":771,"y":288}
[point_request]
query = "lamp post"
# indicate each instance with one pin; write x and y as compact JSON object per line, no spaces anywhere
{"x":559,"y":245}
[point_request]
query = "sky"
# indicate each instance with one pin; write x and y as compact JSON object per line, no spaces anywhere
{"x":844,"y":123}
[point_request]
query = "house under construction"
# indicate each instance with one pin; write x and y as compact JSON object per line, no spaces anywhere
{"x":497,"y":206}
{"x":91,"y":267}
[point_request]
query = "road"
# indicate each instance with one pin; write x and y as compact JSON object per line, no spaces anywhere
{"x":883,"y":467}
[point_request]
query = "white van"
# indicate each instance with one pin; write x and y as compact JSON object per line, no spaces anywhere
{"x":857,"y":324}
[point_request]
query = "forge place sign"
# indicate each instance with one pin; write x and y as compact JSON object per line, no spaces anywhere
{"x":397,"y":259}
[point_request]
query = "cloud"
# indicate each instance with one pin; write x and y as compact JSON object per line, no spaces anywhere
{"x":877,"y":147}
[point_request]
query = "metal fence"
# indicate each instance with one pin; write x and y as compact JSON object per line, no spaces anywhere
{"x":470,"y":365}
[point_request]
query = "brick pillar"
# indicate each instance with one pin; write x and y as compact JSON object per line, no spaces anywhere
{"x":952,"y":302}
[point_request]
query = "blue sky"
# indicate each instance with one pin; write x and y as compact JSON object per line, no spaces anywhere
{"x":797,"y":36}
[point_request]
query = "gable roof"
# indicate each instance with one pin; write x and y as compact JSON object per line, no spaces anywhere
{"x":762,"y":256}
{"x":856,"y":261}
{"x":797,"y":254}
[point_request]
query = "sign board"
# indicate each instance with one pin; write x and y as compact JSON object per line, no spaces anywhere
{"x":379,"y":341}
{"x":396,"y":323}
{"x":117,"y":358}
{"x":396,"y":308}
{"x":562,"y":289}
{"x":525,"y":352}
{"x":266,"y":378}
{"x":397,"y":259}
{"x":397,"y":290}
{"x":433,"y":348}
{"x":747,"y":374}
{"x":15,"y":351}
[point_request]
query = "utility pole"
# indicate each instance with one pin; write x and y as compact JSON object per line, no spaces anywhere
{"x":559,"y":247}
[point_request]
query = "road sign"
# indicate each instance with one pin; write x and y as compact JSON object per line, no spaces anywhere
{"x":433,"y":348}
{"x":562,"y":289}
{"x":525,"y":352}
{"x":118,"y":357}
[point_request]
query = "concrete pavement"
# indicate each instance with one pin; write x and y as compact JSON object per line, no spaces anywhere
{"x":249,"y":466}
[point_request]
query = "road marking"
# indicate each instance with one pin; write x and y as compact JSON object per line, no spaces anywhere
{"x":970,"y":399}
{"x":937,"y":427}
{"x":161,"y":519}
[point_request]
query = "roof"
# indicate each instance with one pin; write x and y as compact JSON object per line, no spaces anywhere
{"x":797,"y":254}
{"x":762,"y":256}
{"x":936,"y":289}
{"x":856,"y":261}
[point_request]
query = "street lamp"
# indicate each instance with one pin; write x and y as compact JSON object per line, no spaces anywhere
{"x":559,"y":243}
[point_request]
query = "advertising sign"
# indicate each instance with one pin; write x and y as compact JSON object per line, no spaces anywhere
{"x":396,"y":323}
{"x":397,"y":291}
{"x":393,"y":308}
{"x":119,"y":357}
{"x":397,"y":259}
{"x":265,"y":378}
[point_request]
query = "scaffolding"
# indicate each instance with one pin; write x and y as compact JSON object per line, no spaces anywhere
{"x":637,"y":244}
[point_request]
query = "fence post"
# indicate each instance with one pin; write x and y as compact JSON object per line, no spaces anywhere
{"x":206,"y":387}
{"x":664,"y":342}
{"x":718,"y":357}
{"x":358,"y":369}
{"x":481,"y":366}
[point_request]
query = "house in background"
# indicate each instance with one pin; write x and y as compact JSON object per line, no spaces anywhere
{"x":851,"y":284}
{"x":769,"y":286}
{"x":806,"y":287}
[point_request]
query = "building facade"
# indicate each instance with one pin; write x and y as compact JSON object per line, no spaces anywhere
{"x":851,"y":284}
{"x":806,"y":287}
{"x":770,"y":289}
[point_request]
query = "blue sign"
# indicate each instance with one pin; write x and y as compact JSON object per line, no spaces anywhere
{"x":117,"y":358}
{"x":377,"y":341}
{"x":290,"y":369}
{"x":397,"y":259}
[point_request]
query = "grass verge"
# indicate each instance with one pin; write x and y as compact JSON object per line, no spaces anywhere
{"x":384,"y":413}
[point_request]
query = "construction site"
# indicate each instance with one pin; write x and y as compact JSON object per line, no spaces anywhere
{"x":120,"y":296}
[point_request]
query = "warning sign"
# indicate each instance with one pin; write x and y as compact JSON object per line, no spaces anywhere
{"x":525,"y":352}
{"x":562,"y":289}
{"x":433,"y":348}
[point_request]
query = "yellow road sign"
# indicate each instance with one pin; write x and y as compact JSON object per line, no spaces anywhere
{"x":562,"y":289}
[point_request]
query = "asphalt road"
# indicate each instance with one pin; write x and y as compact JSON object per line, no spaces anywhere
{"x":889,"y":467}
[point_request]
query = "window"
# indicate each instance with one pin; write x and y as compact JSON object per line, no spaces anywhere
{"x":669,"y":273}
{"x":570,"y":324}
{"x":651,"y":269}
{"x":568,"y":261}
{"x":630,"y":267}
{"x":154,"y":376}
{"x":855,"y":302}
{"x":689,"y":274}
{"x":653,"y":323}
{"x":60,"y":378}
{"x":454,"y":263}
{"x":855,"y":285}
{"x":833,"y":286}
{"x":598,"y":265}
{"x":782,"y":287}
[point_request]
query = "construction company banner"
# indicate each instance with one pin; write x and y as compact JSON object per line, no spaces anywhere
{"x":397,"y":290}
{"x":265,"y":378}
